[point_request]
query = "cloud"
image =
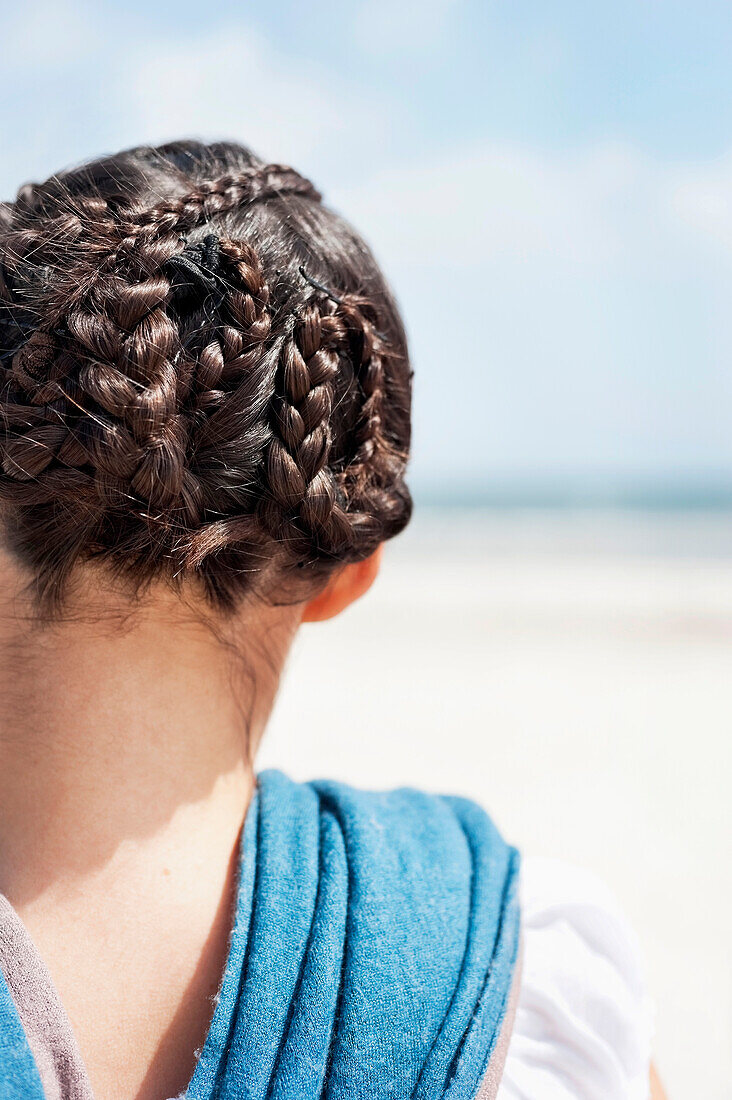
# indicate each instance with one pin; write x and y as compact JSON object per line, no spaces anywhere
{"x":234,"y":84}
{"x":408,"y":27}
{"x":701,"y":198}
{"x":498,"y":203}
{"x":46,"y":32}
{"x":230,"y":82}
{"x":562,"y":310}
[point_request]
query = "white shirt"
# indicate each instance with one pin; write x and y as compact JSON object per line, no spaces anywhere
{"x":583,"y":1025}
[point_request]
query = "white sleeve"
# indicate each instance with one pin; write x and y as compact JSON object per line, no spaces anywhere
{"x":584,"y":1021}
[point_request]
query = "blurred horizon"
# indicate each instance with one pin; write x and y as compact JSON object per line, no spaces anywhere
{"x":585,"y":494}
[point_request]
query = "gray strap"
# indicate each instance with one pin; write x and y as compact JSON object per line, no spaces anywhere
{"x":492,"y":1078}
{"x":41,"y":1013}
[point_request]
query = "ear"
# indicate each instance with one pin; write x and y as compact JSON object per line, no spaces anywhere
{"x":343,"y":588}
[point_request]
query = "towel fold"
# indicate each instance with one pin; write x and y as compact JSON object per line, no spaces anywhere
{"x":373,"y":951}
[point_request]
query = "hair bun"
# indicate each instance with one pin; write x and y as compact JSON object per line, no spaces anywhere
{"x":177,"y":398}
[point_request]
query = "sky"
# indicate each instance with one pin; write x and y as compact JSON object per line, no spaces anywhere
{"x":547,"y":185}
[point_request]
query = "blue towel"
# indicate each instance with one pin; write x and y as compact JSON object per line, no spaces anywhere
{"x":372,"y":954}
{"x":373,"y":950}
{"x":18,"y":1074}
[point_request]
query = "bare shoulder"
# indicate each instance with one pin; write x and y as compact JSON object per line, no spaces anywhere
{"x":657,"y":1090}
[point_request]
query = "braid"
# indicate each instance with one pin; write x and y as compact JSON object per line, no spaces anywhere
{"x":230,"y":392}
{"x":100,"y":238}
{"x":208,"y":200}
{"x":369,"y":353}
{"x":108,"y":387}
{"x":305,"y":507}
{"x":130,"y":341}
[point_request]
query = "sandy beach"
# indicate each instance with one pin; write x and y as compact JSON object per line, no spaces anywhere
{"x":572,"y":672}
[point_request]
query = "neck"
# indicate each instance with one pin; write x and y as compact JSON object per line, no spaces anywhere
{"x":127,"y":738}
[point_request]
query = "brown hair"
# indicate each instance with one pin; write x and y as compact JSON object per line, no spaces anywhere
{"x":203,"y":375}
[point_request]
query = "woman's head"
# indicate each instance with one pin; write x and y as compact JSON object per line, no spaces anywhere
{"x":204,"y":378}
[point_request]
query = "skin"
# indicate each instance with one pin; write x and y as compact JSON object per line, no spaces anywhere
{"x":657,"y":1092}
{"x":127,"y":740}
{"x":127,"y":743}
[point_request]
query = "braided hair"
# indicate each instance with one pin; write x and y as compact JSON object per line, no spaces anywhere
{"x":203,"y":376}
